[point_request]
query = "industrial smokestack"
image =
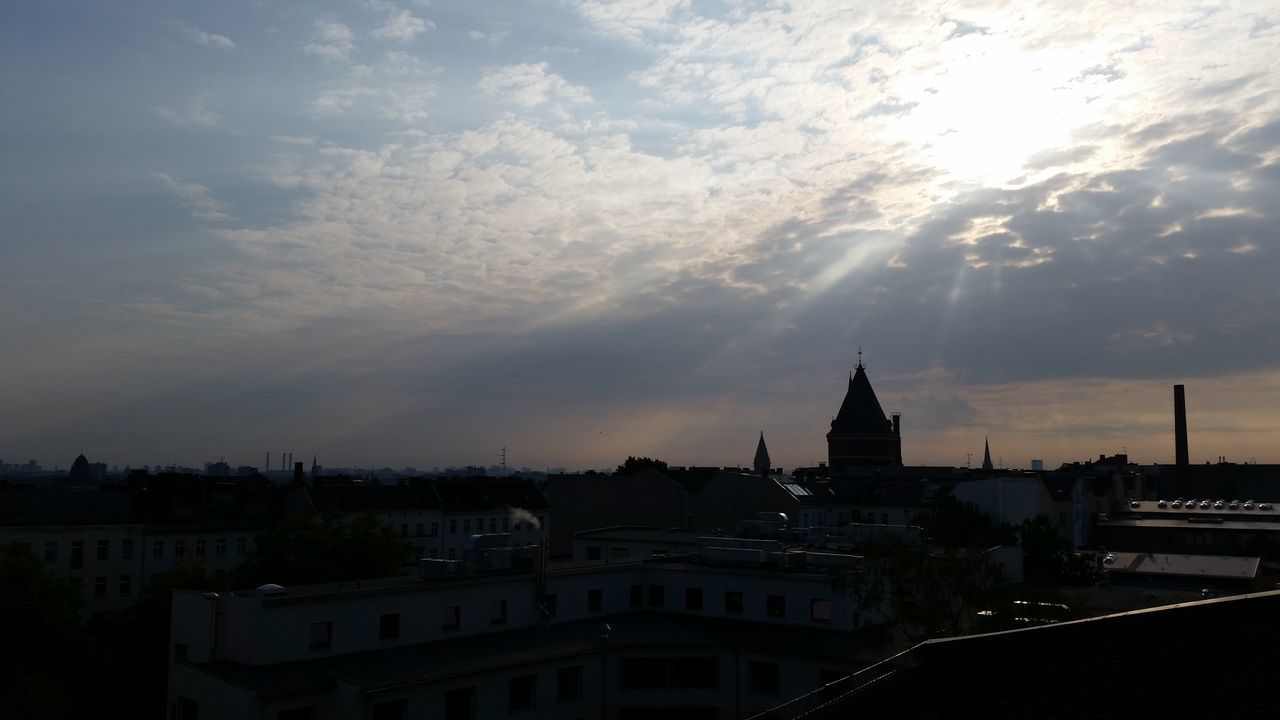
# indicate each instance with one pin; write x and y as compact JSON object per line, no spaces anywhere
{"x":1181,"y":457}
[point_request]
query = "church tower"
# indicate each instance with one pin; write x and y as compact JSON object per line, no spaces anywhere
{"x":860,"y":433}
{"x":762,"y":463}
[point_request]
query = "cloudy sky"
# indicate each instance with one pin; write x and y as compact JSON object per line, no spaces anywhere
{"x":397,"y":232}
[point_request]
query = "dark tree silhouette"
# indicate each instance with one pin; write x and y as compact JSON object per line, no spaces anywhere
{"x":634,"y":465}
{"x":324,"y":547}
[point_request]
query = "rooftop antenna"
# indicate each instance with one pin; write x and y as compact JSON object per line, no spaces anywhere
{"x":968,"y":459}
{"x":504,"y":461}
{"x":859,"y":356}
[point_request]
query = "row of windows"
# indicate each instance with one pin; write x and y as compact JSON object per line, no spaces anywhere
{"x":493,"y":525}
{"x":200,"y":548}
{"x":124,"y":586}
{"x":775,"y":606}
{"x":321,"y":633}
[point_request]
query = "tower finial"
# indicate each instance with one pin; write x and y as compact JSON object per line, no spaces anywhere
{"x":859,"y":356}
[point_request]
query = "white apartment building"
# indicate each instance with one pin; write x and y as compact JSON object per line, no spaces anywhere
{"x":725,"y":636}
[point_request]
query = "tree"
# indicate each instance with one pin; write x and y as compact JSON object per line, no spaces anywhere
{"x":951,"y":523}
{"x":40,"y":644}
{"x":1049,"y":560}
{"x":324,"y":547}
{"x":634,"y":465}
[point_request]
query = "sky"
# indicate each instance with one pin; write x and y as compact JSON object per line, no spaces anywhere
{"x":413,"y":233}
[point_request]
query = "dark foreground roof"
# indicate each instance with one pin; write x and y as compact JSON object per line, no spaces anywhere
{"x":1207,"y":659}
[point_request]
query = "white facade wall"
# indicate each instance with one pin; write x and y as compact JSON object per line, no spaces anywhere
{"x":110,"y":579}
{"x":1006,"y":499}
{"x":219,"y":551}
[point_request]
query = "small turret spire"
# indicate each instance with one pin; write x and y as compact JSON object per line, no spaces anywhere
{"x":762,"y":463}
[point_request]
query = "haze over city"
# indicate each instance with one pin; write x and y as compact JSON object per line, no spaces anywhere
{"x":413,"y":233}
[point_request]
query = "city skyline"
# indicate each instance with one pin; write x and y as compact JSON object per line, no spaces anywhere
{"x":409,"y":233}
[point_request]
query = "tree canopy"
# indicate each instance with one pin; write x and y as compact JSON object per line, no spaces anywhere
{"x":324,"y":547}
{"x":633,"y":465}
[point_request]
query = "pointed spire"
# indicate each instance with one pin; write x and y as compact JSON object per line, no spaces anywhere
{"x":986,"y":454}
{"x":861,"y":412}
{"x":762,"y":463}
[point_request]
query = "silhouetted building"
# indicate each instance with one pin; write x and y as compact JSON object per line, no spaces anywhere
{"x":761,"y":463}
{"x":860,"y":433}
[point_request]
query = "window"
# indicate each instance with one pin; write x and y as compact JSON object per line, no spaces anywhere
{"x":417,"y":530}
{"x":775,"y":606}
{"x":493,"y":524}
{"x":657,"y":595}
{"x":242,"y":545}
{"x":569,"y":684}
{"x":126,"y":585}
{"x":404,"y":529}
{"x":394,"y":710}
{"x":452,"y":553}
{"x":302,"y":713}
{"x":884,"y":518}
{"x":733,"y":602}
{"x":506,"y":524}
{"x":435,"y":553}
{"x":693,"y":598}
{"x":126,"y":549}
{"x":619,"y":553}
{"x":637,"y":595}
{"x":389,"y":626}
{"x":466,"y":526}
{"x":51,"y":551}
{"x":593,"y":552}
{"x":453,"y":526}
{"x":762,"y":677}
{"x":450,"y":618}
{"x":520,"y":692}
{"x":157,"y":549}
{"x":200,"y":547}
{"x":460,"y":704}
{"x":595,"y":601}
{"x":220,"y":547}
{"x":104,"y":549}
{"x":498,"y":612}
{"x":820,"y":610}
{"x":694,"y":672}
{"x":77,"y":554}
{"x":179,"y":549}
{"x":321,"y":637}
{"x":1062,"y":519}
{"x":435,"y":529}
{"x":100,"y":586}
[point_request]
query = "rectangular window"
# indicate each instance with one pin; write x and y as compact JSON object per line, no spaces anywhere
{"x":126,"y":585}
{"x":435,"y":553}
{"x":593,"y":552}
{"x":157,"y":550}
{"x":595,"y":601}
{"x":126,"y":549}
{"x":242,"y":545}
{"x":389,"y":627}
{"x":394,"y":710}
{"x":100,"y":586}
{"x":884,"y":518}
{"x":775,"y":606}
{"x":435,"y":529}
{"x":417,"y":530}
{"x":637,"y":595}
{"x":466,"y":526}
{"x":498,"y":612}
{"x":657,"y":595}
{"x":693,"y":598}
{"x":104,"y":549}
{"x":820,"y":610}
{"x":77,"y":554}
{"x":179,"y":549}
{"x":321,"y":637}
{"x":51,"y":551}
{"x":520,"y":692}
{"x":453,"y":526}
{"x":200,"y":547}
{"x":450,"y":618}
{"x":569,"y":684}
{"x":460,"y":704}
{"x":733,"y":602}
{"x":452,"y":552}
{"x":493,"y":524}
{"x":762,"y":678}
{"x":220,"y":547}
{"x":694,"y":672}
{"x":619,"y":553}
{"x":404,"y":529}
{"x":506,"y":524}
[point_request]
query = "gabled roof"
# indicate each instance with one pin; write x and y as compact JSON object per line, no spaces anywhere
{"x":860,"y":413}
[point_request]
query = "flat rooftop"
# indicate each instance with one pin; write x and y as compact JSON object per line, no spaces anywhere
{"x":1205,"y":566}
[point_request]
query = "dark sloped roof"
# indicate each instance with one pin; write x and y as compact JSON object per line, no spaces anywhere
{"x":476,"y":494}
{"x":30,"y":507}
{"x":353,"y":498}
{"x":860,"y":413}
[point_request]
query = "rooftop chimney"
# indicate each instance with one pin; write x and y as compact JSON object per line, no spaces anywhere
{"x":1182,"y":458}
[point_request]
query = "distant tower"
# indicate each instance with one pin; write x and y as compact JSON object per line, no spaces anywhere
{"x":762,"y":464}
{"x":861,"y":434}
{"x":986,"y":454}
